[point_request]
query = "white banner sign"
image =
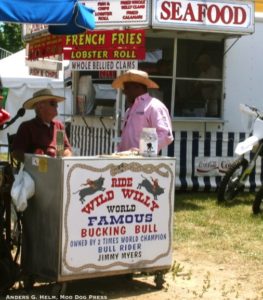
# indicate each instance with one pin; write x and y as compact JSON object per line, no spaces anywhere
{"x":117,"y":215}
{"x":223,"y":16}
{"x":103,"y":65}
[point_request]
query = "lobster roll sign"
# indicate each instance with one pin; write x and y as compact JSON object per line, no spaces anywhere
{"x":117,"y":214}
{"x":202,"y":15}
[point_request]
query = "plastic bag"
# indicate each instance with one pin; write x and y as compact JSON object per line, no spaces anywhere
{"x":22,"y":189}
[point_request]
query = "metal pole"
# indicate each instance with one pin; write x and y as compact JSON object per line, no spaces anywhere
{"x":118,"y":115}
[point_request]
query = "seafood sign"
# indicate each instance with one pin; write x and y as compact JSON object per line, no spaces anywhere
{"x":214,"y":15}
{"x":117,"y":214}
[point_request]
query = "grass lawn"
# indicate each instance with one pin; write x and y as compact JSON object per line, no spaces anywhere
{"x":218,"y":249}
{"x":3,"y":156}
{"x":203,"y":225}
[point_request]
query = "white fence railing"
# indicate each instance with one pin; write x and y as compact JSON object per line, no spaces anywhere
{"x":187,"y":147}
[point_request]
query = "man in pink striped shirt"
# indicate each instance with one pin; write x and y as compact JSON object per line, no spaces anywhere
{"x":143,"y":111}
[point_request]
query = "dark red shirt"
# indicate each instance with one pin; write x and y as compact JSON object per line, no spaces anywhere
{"x":34,"y":135}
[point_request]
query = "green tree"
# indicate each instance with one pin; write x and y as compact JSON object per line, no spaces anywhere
{"x":11,"y":37}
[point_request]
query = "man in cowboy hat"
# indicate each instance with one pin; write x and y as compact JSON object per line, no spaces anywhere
{"x":39,"y":135}
{"x":143,"y":111}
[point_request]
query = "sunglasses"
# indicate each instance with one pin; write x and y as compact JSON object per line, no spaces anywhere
{"x":53,"y":103}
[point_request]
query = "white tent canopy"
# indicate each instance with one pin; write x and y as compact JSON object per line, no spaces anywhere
{"x":15,"y":76}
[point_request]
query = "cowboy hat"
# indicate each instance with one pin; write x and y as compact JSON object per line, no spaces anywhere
{"x":134,"y":76}
{"x":41,"y":95}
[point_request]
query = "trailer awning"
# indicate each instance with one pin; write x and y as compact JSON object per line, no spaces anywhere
{"x":62,"y":16}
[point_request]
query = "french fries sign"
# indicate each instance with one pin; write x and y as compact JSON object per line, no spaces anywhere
{"x":117,"y":47}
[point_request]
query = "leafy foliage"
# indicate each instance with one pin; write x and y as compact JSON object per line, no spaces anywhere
{"x":11,"y":37}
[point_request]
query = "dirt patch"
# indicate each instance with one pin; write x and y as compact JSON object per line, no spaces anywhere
{"x":194,"y":276}
{"x":203,"y":277}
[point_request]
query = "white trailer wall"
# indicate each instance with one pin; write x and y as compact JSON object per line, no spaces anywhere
{"x":243,"y":76}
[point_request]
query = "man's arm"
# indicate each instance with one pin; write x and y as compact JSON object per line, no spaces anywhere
{"x":160,"y":119}
{"x":20,"y":143}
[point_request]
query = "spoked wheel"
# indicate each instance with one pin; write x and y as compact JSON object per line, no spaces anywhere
{"x":230,"y":185}
{"x":257,"y":206}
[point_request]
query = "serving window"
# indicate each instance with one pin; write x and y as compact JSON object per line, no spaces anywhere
{"x":198,"y":80}
{"x":95,"y":95}
{"x":159,"y":65}
{"x":189,"y":73}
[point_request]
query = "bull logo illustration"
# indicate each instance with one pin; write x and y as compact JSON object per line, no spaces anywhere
{"x":151,"y":186}
{"x":92,"y":187}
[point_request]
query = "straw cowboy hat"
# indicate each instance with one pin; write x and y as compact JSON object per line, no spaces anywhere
{"x":41,"y":95}
{"x":134,"y":76}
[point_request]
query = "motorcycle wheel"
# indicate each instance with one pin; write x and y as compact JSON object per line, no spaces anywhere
{"x":230,"y":185}
{"x":257,"y":206}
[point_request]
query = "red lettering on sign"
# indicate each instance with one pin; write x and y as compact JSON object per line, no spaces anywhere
{"x":212,"y":13}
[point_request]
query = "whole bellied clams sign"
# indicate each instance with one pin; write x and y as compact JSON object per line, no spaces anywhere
{"x":117,"y":214}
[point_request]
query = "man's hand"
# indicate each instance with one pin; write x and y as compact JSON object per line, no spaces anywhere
{"x":67,"y":152}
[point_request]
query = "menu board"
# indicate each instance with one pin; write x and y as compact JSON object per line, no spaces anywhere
{"x":120,"y":12}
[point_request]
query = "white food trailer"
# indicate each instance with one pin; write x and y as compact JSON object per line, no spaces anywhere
{"x":177,"y":34}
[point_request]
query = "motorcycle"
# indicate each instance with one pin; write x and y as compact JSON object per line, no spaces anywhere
{"x":257,"y":206}
{"x":235,"y":178}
